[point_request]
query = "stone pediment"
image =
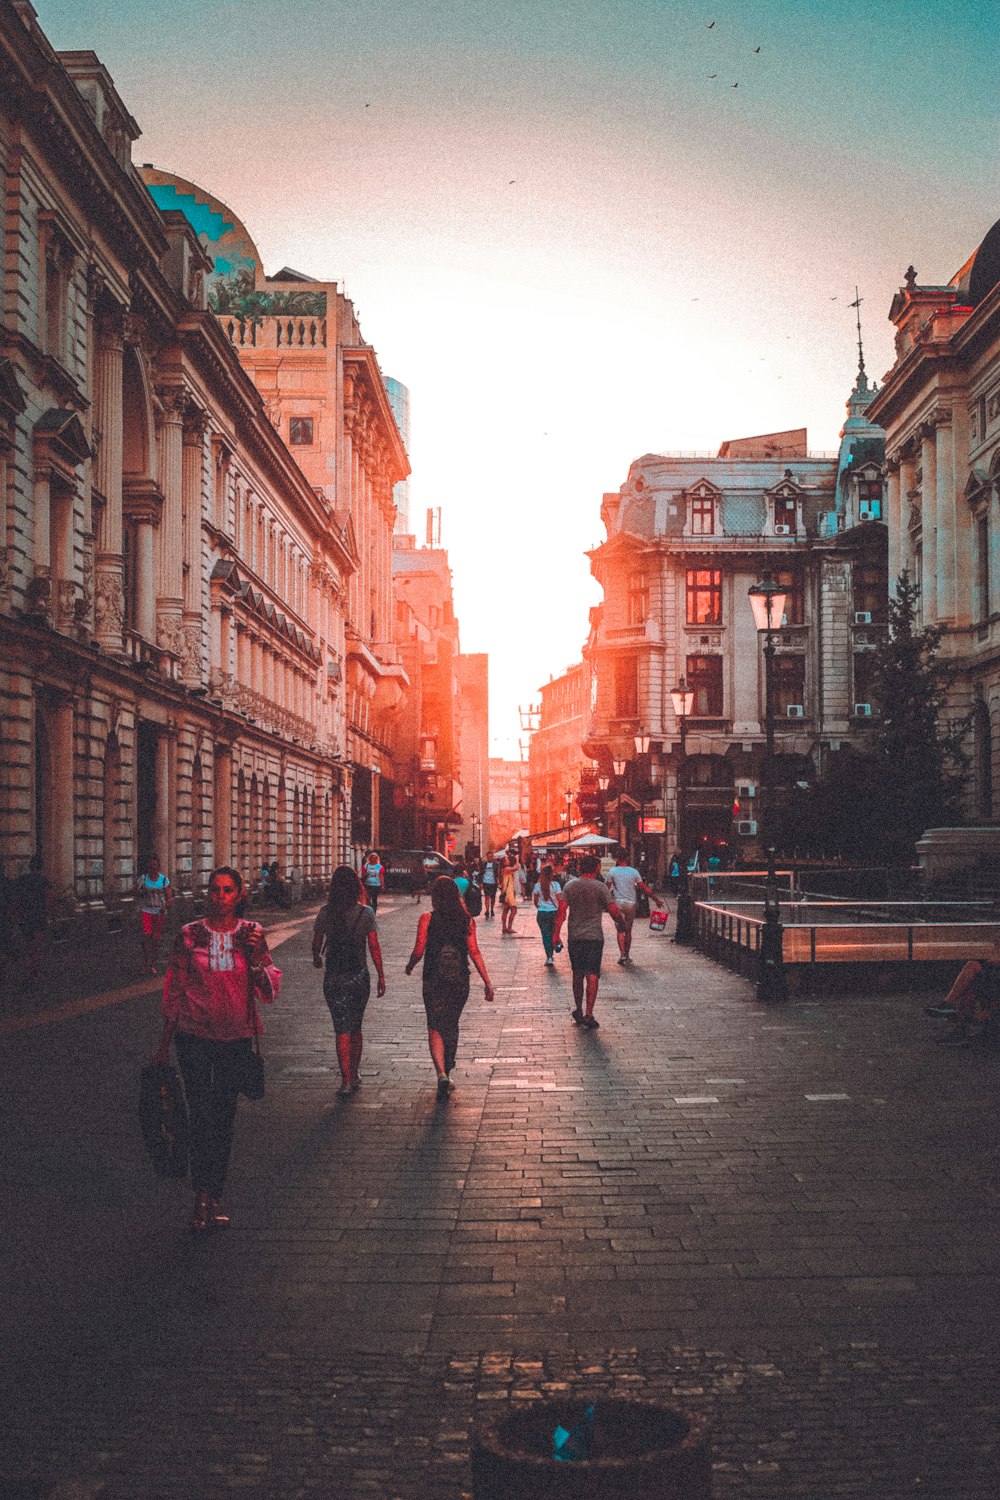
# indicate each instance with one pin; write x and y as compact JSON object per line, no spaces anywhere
{"x":60,"y":436}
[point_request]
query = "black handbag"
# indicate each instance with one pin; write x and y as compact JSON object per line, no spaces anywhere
{"x":163,"y":1118}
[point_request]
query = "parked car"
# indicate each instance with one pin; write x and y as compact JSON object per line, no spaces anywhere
{"x":413,"y":869}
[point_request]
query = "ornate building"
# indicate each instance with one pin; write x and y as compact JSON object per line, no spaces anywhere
{"x":686,"y":539}
{"x":430,"y":810}
{"x":561,"y":784}
{"x":940,"y":407}
{"x":173,"y":640}
{"x":300,"y":342}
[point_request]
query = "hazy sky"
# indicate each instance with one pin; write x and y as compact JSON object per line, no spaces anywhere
{"x":570,"y":241}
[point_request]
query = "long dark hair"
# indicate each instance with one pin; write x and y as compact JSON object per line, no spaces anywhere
{"x":545,"y":879}
{"x":451,"y":911}
{"x":345,"y":891}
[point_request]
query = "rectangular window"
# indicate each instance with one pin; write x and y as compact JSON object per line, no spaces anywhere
{"x":300,"y":431}
{"x":870,"y":500}
{"x":637,"y":599}
{"x":864,"y":675}
{"x":870,"y":585}
{"x":792,"y":586}
{"x":704,"y":596}
{"x":983,"y":565}
{"x":626,"y":687}
{"x":702,"y":515}
{"x":704,"y":678}
{"x":784,"y":514}
{"x":789,"y":684}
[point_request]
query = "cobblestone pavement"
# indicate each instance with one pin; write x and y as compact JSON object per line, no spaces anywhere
{"x":783,"y":1219}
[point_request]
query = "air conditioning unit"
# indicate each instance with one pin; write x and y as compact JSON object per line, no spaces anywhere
{"x":870,"y":510}
{"x":862,"y":710}
{"x":745,"y":790}
{"x":795,"y":711}
{"x":782,"y":531}
{"x":747,"y":826}
{"x":862,"y":617}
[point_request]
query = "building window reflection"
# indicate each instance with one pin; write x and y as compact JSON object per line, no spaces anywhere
{"x":704,"y":596}
{"x":704,"y":679}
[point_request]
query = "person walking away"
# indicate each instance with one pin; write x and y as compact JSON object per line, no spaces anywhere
{"x":460,"y":875}
{"x":446,"y":941}
{"x":219,"y":970}
{"x":675,"y":874}
{"x":155,"y":897}
{"x":373,"y":876}
{"x":546,"y":898}
{"x":585,"y":900}
{"x":508,"y":896}
{"x":489,"y":883}
{"x":32,"y":901}
{"x":625,"y":883}
{"x":345,"y":933}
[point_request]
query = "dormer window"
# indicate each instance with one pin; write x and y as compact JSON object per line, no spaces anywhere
{"x":870,"y":500}
{"x":702,"y":515}
{"x":785,"y":512}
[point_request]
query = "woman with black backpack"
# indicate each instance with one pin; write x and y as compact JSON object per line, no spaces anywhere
{"x":345,"y":933}
{"x":446,"y":941}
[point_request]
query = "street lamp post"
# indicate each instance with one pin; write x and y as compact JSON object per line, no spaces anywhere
{"x":767,"y":600}
{"x":604,"y":782}
{"x":641,"y":749}
{"x":568,"y":794}
{"x":618,"y":765}
{"x":682,"y":698}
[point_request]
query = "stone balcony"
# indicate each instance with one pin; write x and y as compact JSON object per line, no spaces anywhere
{"x":237,"y":698}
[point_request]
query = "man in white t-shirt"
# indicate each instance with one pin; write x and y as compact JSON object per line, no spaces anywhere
{"x":624,"y":882}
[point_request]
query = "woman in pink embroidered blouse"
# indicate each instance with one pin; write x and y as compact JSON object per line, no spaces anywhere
{"x":220,"y":968}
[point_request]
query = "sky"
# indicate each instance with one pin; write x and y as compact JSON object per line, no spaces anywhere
{"x":579,"y":232}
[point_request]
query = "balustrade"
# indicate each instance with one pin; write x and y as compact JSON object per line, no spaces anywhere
{"x":276,"y":332}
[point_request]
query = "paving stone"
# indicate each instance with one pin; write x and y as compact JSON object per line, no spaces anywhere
{"x":819,"y":1278}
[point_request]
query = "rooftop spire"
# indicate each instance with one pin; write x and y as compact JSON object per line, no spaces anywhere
{"x":862,"y":381}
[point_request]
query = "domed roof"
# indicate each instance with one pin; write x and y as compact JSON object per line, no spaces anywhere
{"x":220,"y":231}
{"x":985,"y":272}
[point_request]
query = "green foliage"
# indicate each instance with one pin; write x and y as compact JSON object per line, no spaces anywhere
{"x":872,"y":805}
{"x":236,"y":296}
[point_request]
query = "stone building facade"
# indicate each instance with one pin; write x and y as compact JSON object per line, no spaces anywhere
{"x":427,"y":726}
{"x":172,"y":631}
{"x":300,"y":342}
{"x":940,"y":408}
{"x":686,"y":538}
{"x":557,"y":764}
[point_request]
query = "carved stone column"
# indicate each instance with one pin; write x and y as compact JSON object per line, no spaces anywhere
{"x":944,"y":505}
{"x":894,"y":520}
{"x":109,"y":598}
{"x":928,"y":507}
{"x":909,"y":499}
{"x":170,"y":563}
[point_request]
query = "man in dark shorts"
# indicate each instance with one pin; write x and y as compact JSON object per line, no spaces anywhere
{"x":586,"y":899}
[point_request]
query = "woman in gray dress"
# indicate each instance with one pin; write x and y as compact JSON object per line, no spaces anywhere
{"x":343,"y":936}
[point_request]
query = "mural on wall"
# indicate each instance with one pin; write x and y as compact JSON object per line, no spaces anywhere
{"x":236,"y":283}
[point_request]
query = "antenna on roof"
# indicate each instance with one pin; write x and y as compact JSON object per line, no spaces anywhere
{"x":856,"y":304}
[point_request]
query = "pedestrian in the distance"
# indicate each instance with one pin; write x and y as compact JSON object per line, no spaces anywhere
{"x":219,"y":970}
{"x":155,"y":897}
{"x":345,"y":933}
{"x":32,"y":901}
{"x":446,"y":941}
{"x":508,"y":896}
{"x":624,"y":882}
{"x":373,"y":877}
{"x":489,"y":884}
{"x":585,"y":900}
{"x":546,"y":898}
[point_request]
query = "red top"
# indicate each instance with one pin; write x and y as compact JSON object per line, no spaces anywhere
{"x":208,"y":985}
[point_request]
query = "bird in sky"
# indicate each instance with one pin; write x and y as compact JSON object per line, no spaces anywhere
{"x":736,"y":85}
{"x":710,"y":25}
{"x":833,"y":299}
{"x":756,"y":49}
{"x":512,"y":182}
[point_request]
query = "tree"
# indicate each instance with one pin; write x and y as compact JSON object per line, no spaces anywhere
{"x":873,"y":804}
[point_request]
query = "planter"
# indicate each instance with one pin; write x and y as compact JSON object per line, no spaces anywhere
{"x":640,"y":1451}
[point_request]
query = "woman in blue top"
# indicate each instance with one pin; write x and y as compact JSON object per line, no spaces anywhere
{"x":373,"y":878}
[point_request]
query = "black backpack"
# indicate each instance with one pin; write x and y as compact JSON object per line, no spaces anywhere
{"x":474,"y":899}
